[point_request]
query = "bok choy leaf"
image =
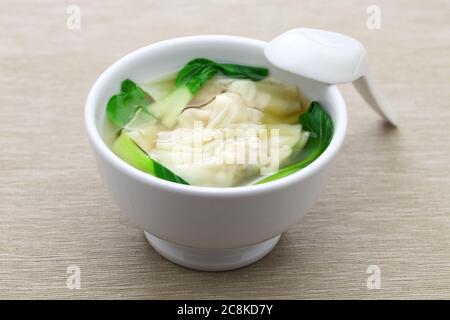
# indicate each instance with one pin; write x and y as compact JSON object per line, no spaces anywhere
{"x":122,"y":106}
{"x":317,"y":121}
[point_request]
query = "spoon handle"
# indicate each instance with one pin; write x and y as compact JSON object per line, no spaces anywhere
{"x":368,"y":89}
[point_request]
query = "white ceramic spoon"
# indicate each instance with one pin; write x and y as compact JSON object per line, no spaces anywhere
{"x":329,"y":57}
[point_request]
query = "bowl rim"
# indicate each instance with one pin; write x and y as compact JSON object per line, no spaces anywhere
{"x":97,"y":142}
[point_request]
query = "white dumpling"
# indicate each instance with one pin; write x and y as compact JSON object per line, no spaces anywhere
{"x":208,"y":92}
{"x":227,"y":108}
{"x":220,"y":157}
{"x":275,"y":98}
{"x":190,"y":116}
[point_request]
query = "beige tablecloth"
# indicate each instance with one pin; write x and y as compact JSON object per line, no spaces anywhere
{"x":387,"y":203}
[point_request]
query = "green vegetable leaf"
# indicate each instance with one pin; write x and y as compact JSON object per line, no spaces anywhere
{"x":164,"y":173}
{"x":122,"y":107}
{"x":317,"y":121}
{"x":198,"y":71}
{"x":131,"y":153}
{"x":195,"y":74}
{"x":243,"y":72}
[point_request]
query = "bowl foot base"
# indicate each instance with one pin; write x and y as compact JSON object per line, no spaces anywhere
{"x":211,"y":259}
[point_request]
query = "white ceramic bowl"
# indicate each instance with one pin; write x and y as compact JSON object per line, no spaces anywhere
{"x":199,"y":227}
